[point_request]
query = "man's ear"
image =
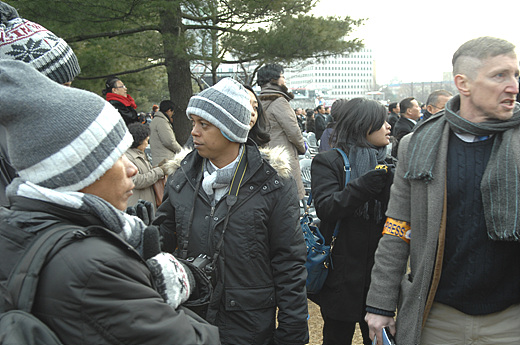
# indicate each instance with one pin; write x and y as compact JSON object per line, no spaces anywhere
{"x":463,"y":83}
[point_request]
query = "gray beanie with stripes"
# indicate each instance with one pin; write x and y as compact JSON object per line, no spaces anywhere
{"x":58,"y":137}
{"x":227,"y":106}
{"x":26,"y":41}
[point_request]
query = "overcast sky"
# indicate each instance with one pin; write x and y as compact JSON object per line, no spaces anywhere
{"x":415,"y":40}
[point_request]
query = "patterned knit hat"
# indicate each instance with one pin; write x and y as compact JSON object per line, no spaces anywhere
{"x":30,"y":42}
{"x":227,"y":106}
{"x":58,"y":137}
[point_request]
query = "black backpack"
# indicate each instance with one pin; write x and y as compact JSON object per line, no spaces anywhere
{"x":17,"y":324}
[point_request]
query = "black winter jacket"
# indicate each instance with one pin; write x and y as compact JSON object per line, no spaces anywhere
{"x":344,"y":293}
{"x":128,"y":114}
{"x":98,"y":290}
{"x":261,"y":263}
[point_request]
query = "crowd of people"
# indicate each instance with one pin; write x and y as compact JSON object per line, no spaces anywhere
{"x":428,"y":231}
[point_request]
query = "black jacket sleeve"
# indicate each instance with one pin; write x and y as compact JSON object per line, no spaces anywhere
{"x":332,"y":199}
{"x":128,"y":114}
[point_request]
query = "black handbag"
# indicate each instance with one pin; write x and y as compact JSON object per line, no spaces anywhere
{"x":318,"y":253}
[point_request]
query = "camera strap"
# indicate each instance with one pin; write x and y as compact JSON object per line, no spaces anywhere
{"x":231,"y":199}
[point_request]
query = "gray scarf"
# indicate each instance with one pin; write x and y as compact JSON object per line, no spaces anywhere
{"x":216,"y":181}
{"x":363,"y":160}
{"x":128,"y":227}
{"x":500,"y":186}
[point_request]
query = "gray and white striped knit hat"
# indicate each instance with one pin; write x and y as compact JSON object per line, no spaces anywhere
{"x":227,"y":106}
{"x":58,"y":137}
{"x":30,"y":42}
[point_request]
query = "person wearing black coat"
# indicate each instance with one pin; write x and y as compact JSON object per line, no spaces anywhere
{"x":359,"y":206}
{"x":116,"y":94}
{"x":106,"y":286}
{"x":255,"y":247}
{"x":320,"y":121}
{"x":410,"y":114}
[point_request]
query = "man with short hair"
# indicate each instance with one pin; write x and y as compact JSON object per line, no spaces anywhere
{"x":453,"y":219}
{"x":236,"y":209}
{"x":393,"y":115}
{"x":410,"y":112}
{"x":163,"y":144}
{"x":435,"y":103}
{"x":320,"y":121}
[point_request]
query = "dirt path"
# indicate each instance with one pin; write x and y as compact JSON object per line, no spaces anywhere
{"x":316,"y":325}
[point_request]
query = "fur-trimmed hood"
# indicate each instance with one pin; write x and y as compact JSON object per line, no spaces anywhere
{"x":277,"y":157}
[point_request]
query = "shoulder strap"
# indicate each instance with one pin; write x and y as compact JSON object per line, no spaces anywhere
{"x":346,"y":163}
{"x":23,"y":280}
{"x":346,"y":166}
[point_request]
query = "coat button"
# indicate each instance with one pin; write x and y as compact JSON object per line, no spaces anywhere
{"x":276,"y":182}
{"x":215,"y":219}
{"x":264,"y":187}
{"x":251,"y":187}
{"x":233,"y":303}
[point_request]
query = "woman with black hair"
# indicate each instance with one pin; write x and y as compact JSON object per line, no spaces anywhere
{"x":146,"y":175}
{"x":116,"y":94}
{"x":362,"y":133}
{"x":258,"y":123}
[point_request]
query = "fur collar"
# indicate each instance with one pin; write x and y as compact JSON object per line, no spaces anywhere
{"x":277,"y":157}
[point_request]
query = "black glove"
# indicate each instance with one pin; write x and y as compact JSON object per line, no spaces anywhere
{"x":374,"y":181}
{"x":143,"y":209}
{"x":151,"y":242}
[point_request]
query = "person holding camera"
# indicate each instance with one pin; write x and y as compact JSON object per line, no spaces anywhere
{"x":233,"y":211}
{"x":109,"y":284}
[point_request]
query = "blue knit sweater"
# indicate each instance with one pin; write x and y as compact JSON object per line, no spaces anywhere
{"x":479,"y":275}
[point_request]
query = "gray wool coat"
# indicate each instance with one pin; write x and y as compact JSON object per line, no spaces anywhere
{"x":162,"y":139}
{"x":394,"y":287}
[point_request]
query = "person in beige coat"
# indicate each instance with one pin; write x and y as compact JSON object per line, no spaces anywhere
{"x":283,"y":124}
{"x":147,"y":175}
{"x":162,"y":139}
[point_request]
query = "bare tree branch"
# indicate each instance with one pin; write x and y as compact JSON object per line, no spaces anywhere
{"x":212,"y":27}
{"x":110,"y":34}
{"x":123,"y":72}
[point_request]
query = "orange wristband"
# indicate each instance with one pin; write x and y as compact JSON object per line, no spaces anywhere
{"x":398,"y":228}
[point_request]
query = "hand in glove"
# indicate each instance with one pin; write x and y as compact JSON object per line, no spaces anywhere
{"x":174,"y":281}
{"x":374,"y":181}
{"x":144,"y":210}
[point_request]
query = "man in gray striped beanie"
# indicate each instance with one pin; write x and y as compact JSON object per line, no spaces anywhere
{"x":227,"y":106}
{"x":73,"y":173}
{"x":233,"y":209}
